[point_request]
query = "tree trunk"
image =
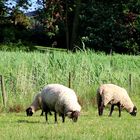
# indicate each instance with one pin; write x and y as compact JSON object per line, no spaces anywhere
{"x":75,"y":25}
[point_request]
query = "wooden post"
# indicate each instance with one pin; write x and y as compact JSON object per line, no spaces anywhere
{"x":130,"y":82}
{"x":111,"y":61}
{"x":4,"y":97}
{"x":69,"y":79}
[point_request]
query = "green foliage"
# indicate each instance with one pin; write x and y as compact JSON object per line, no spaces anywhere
{"x":20,"y":19}
{"x":99,"y":25}
{"x":51,"y":16}
{"x":109,"y":25}
{"x":13,"y":21}
{"x":27,"y":73}
{"x":19,"y":46}
{"x":9,"y":34}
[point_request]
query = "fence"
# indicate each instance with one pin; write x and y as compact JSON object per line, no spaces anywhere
{"x":4,"y":96}
{"x":70,"y":82}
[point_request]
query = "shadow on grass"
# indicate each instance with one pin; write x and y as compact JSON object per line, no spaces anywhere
{"x":39,"y":122}
{"x":32,"y":122}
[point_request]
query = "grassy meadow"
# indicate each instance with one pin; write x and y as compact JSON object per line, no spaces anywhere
{"x":25,"y":74}
{"x":15,"y":126}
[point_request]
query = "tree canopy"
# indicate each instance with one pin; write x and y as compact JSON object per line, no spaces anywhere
{"x":96,"y":24}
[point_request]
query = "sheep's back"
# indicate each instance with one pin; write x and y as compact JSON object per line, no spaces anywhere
{"x":113,"y":93}
{"x":49,"y":96}
{"x":56,"y":95}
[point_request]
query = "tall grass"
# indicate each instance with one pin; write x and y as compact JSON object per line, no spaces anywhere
{"x":26,"y":73}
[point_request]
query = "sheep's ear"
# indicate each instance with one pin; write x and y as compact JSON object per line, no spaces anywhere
{"x":135,"y":108}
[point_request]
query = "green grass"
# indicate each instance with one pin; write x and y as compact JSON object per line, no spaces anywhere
{"x":26,"y":74}
{"x":15,"y":126}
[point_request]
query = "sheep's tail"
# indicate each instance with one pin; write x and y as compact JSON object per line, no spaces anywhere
{"x":99,"y":101}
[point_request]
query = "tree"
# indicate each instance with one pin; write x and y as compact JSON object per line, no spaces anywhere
{"x":20,"y":19}
{"x":13,"y":20}
{"x":60,"y":19}
{"x":96,"y":24}
{"x":110,"y":25}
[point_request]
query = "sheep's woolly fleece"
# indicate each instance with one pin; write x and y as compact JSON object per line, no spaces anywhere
{"x":60,"y":98}
{"x":37,"y":103}
{"x":113,"y":94}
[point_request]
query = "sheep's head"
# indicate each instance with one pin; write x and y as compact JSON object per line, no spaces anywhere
{"x":29,"y":111}
{"x":73,"y":115}
{"x":134,"y":112}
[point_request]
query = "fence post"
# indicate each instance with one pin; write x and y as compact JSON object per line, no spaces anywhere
{"x":4,"y":97}
{"x":69,"y":79}
{"x":130,"y":82}
{"x":111,"y":61}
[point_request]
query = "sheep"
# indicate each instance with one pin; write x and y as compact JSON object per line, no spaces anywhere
{"x":61,"y":100}
{"x":35,"y":106}
{"x":114,"y":95}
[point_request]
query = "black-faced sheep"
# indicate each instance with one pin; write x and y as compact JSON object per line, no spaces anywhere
{"x":35,"y":106}
{"x":114,"y":95}
{"x":61,"y":100}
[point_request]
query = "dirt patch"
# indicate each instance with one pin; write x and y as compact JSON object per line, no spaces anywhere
{"x":16,"y":108}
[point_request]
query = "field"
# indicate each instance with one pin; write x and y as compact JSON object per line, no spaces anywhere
{"x":15,"y":126}
{"x":26,"y":73}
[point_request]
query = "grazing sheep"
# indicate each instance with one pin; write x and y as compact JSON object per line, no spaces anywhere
{"x":35,"y":106}
{"x":114,"y":95}
{"x":61,"y":100}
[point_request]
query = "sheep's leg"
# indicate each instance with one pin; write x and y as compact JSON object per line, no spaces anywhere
{"x":112,"y":108}
{"x":55,"y":117}
{"x":63,"y":118}
{"x":42,"y":113}
{"x":99,"y":101}
{"x":101,"y":108}
{"x":46,"y":115}
{"x":119,"y":106}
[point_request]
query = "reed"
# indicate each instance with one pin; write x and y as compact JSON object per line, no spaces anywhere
{"x":27,"y":73}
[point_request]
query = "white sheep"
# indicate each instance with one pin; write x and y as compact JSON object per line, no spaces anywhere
{"x":114,"y":95}
{"x":61,"y":100}
{"x":35,"y":106}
